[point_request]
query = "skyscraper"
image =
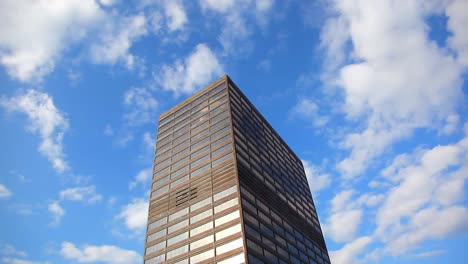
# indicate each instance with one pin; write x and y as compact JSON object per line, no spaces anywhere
{"x":227,"y":189}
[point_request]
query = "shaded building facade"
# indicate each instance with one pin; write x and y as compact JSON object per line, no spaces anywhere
{"x":226,"y":188}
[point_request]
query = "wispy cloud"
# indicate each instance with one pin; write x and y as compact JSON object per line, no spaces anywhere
{"x":185,"y":76}
{"x":44,"y":119}
{"x":4,"y":192}
{"x":86,"y":194}
{"x":57,"y":212}
{"x":389,"y":88}
{"x":102,"y":253}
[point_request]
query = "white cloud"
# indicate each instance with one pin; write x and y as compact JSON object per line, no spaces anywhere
{"x":457,"y":21}
{"x":86,"y":194}
{"x":105,"y":253}
{"x":184,"y":77}
{"x":343,"y":222}
{"x":108,"y":130}
{"x":392,"y":89}
{"x":218,"y":5}
{"x":149,"y":141}
{"x":57,"y":212}
{"x":135,"y":215}
{"x":176,"y":16}
{"x":44,"y":119}
{"x":30,"y":47}
{"x":4,"y":191}
{"x":346,"y":214}
{"x":114,"y":43}
{"x":141,"y":106}
{"x":8,"y":260}
{"x":309,"y":109}
{"x":430,"y":253}
{"x":427,"y":187}
{"x":348,"y":253}
{"x":317,"y":180}
{"x":238,"y":21}
{"x":9,"y":250}
{"x":143,"y":177}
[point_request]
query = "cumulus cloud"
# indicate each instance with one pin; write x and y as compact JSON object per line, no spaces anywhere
{"x":176,"y":15}
{"x":135,"y":215}
{"x":184,"y":77}
{"x":317,"y":180}
{"x":238,"y":20}
{"x":29,"y":47}
{"x":349,"y":252}
{"x":392,"y":89}
{"x":427,"y":186}
{"x":44,"y":119}
{"x":104,"y":253}
{"x":141,"y":106}
{"x":309,"y":109}
{"x":143,"y":177}
{"x":86,"y":194}
{"x":4,"y":191}
{"x":57,"y":212}
{"x":12,"y":260}
{"x":116,"y":39}
{"x":457,"y":22}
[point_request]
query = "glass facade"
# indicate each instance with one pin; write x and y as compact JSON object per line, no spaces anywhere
{"x":211,"y":150}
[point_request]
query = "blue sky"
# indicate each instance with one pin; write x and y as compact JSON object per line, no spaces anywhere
{"x":371,"y":95}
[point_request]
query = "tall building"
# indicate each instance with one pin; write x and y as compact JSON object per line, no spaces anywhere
{"x":227,"y":189}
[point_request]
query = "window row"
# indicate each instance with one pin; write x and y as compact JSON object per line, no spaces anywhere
{"x":193,"y":117}
{"x":211,"y":95}
{"x":200,"y":171}
{"x":203,"y":241}
{"x":194,"y":207}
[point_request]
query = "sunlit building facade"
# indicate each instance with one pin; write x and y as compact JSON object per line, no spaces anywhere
{"x":227,"y":189}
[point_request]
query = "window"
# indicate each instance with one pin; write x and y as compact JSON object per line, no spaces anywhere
{"x":179,"y":172}
{"x":180,"y":162}
{"x":201,"y":242}
{"x":178,"y":238}
{"x":220,"y":132}
{"x":236,"y":259}
{"x":201,"y":229}
{"x":178,"y":214}
{"x":156,"y":259}
{"x":226,"y":218}
{"x":156,"y":247}
{"x":220,"y":141}
{"x":202,"y":256}
{"x":156,"y":235}
{"x":177,"y":252}
{"x":201,"y":216}
{"x":225,"y":193}
{"x":160,"y":182}
{"x":228,"y":232}
{"x":177,"y":226}
{"x":200,"y":204}
{"x":162,"y":172}
{"x":200,"y":161}
{"x":198,"y":152}
{"x":160,"y":191}
{"x":229,"y":246}
{"x":181,"y":180}
{"x":157,"y":223}
{"x":200,"y":143}
{"x":200,"y":170}
{"x":225,"y":205}
{"x":221,"y":160}
{"x":200,"y":134}
{"x":222,"y":149}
